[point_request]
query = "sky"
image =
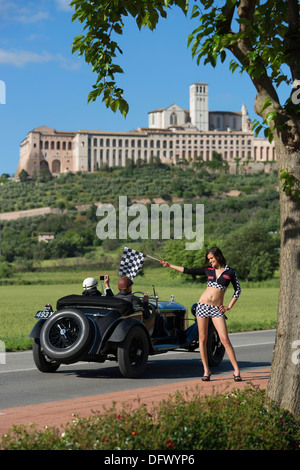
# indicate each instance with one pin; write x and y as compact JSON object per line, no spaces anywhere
{"x":43,"y":83}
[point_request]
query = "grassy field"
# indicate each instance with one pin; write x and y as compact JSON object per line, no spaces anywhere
{"x":256,"y":309}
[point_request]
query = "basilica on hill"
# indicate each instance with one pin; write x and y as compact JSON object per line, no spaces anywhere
{"x":173,"y":134}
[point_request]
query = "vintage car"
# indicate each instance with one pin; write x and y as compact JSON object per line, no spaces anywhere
{"x":100,"y":328}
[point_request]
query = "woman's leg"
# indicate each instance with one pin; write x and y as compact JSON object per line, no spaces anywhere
{"x":203,"y":330}
{"x":221,"y":327}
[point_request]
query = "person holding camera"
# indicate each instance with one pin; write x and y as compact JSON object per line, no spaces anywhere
{"x":90,"y":285}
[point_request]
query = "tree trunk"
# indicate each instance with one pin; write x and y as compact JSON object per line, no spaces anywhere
{"x":284,"y":384}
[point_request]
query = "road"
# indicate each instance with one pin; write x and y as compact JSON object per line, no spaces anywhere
{"x":22,"y":384}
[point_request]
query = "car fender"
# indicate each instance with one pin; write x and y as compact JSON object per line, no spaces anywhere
{"x":120,"y":332}
{"x":191,"y":334}
{"x":36,"y":330}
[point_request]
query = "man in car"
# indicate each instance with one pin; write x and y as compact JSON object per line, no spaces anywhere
{"x":125,"y":293}
{"x":90,"y":287}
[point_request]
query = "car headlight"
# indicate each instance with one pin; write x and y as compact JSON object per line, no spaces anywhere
{"x":193,"y":309}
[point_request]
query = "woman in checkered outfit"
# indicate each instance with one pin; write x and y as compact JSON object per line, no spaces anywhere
{"x":210,"y":304}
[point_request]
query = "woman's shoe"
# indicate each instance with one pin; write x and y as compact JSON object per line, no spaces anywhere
{"x":206,"y":378}
{"x":237,"y":378}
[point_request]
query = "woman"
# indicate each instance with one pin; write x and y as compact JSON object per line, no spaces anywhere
{"x":210,"y":304}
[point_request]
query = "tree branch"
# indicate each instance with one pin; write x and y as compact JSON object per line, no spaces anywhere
{"x":228,"y":14}
{"x":246,"y":10}
{"x":292,"y":39}
{"x":242,"y":49}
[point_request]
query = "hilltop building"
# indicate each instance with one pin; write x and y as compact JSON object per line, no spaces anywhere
{"x":173,"y":134}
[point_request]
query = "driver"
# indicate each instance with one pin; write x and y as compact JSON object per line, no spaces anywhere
{"x":125,"y":293}
{"x":90,"y":287}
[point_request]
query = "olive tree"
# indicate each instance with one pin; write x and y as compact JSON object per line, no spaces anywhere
{"x":262,"y":39}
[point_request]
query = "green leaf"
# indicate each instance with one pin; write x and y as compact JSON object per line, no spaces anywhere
{"x":267,"y":103}
{"x":270,"y":117}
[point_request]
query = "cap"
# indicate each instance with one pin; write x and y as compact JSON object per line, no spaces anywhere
{"x":89,"y":283}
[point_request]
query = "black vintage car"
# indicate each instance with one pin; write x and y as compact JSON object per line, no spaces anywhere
{"x":100,"y":328}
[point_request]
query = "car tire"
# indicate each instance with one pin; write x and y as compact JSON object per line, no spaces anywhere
{"x":42,"y":362}
{"x":215,"y":349}
{"x":133,"y":353}
{"x":66,"y":335}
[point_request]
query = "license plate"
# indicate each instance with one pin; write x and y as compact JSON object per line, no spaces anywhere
{"x":43,"y":314}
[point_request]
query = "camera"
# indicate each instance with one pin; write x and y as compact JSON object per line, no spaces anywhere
{"x":101,"y":278}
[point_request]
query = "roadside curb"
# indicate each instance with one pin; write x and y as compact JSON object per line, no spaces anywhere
{"x":58,"y":413}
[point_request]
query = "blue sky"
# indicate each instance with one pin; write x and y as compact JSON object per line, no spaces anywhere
{"x":47,"y":85}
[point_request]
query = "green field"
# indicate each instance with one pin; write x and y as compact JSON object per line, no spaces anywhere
{"x":256,"y":309}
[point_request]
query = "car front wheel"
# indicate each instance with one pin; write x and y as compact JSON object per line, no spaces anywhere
{"x":133,"y":353}
{"x":215,"y":349}
{"x":42,"y":362}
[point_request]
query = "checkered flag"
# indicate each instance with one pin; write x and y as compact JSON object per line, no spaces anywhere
{"x":131,"y":262}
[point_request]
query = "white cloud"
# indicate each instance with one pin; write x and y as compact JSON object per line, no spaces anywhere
{"x":29,"y":11}
{"x":21,"y":58}
{"x":63,"y":5}
{"x":28,"y":18}
{"x":26,"y":13}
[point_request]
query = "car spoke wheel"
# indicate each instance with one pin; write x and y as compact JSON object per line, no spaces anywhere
{"x":133,"y":353}
{"x":66,"y":335}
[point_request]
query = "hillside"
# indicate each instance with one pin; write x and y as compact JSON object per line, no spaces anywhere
{"x":164,"y":181}
{"x":231,"y":203}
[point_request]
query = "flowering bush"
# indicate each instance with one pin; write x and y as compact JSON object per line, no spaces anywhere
{"x":237,"y":420}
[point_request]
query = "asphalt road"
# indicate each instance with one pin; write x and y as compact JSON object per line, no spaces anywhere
{"x":22,"y":384}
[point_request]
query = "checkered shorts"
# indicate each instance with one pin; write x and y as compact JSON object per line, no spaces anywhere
{"x":206,"y":311}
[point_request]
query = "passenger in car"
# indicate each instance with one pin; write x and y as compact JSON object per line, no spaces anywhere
{"x":90,"y":287}
{"x":125,"y":293}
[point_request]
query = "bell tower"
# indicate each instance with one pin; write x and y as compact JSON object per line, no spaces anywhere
{"x":199,"y":106}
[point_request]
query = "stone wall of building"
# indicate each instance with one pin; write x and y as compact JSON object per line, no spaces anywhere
{"x":88,"y":151}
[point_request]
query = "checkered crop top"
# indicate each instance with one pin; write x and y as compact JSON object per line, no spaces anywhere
{"x":222,"y":282}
